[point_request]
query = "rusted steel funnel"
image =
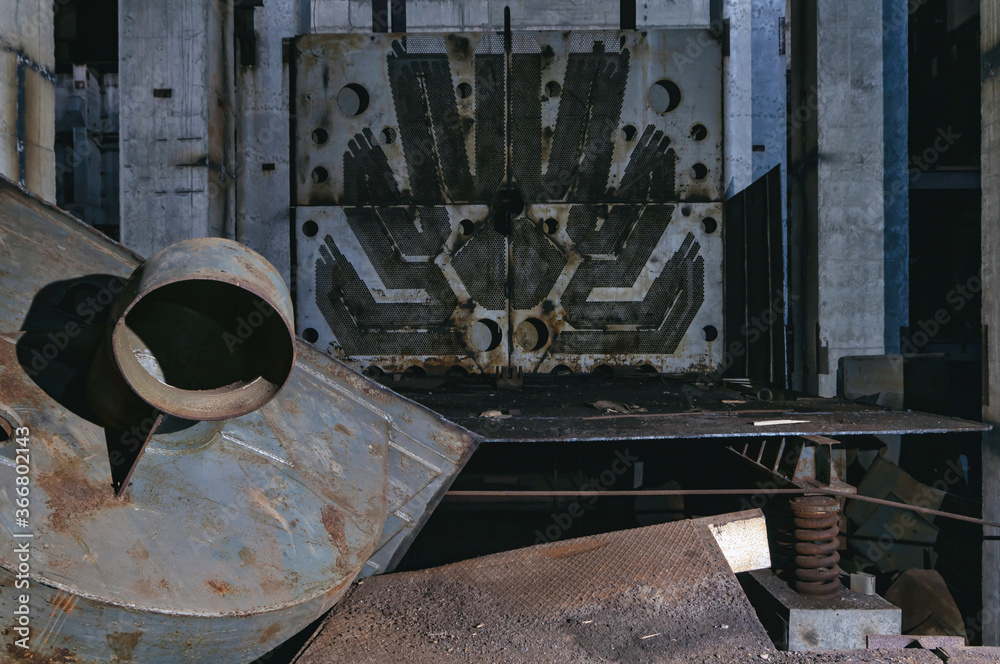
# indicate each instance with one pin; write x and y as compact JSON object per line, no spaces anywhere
{"x":234,"y":534}
{"x":202,"y":331}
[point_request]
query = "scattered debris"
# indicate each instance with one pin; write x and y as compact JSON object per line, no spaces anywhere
{"x":928,"y":607}
{"x":494,"y":414}
{"x":648,"y":636}
{"x":615,"y":407}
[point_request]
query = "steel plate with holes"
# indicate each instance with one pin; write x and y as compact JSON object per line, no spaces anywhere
{"x":550,"y":203}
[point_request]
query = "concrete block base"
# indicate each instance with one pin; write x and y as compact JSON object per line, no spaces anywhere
{"x":796,"y":622}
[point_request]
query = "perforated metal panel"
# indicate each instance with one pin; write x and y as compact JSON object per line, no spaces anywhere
{"x":554,"y":205}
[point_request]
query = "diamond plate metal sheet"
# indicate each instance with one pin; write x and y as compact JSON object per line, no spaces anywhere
{"x":605,"y":148}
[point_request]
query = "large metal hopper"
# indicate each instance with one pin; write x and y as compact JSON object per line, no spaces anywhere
{"x":227,"y":536}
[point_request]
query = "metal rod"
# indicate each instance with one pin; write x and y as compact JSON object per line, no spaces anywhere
{"x":719,"y":492}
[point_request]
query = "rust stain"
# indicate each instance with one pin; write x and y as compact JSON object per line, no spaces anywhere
{"x":571,"y":549}
{"x":71,"y":495}
{"x":333,"y":522}
{"x":64,"y":602}
{"x":142,"y":587}
{"x":271,"y":586}
{"x":270,"y":633}
{"x":220,"y":587}
{"x":123,"y":643}
{"x":342,"y":429}
{"x":247,"y":557}
{"x":139,"y":552}
{"x":56,"y":656}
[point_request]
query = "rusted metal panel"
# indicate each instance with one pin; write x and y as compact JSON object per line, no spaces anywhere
{"x":661,"y":593}
{"x":548,"y":201}
{"x":234,"y":534}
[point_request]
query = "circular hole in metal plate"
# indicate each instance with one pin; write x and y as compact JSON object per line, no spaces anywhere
{"x":320,"y":175}
{"x":6,"y":430}
{"x":464,"y":90}
{"x":531,"y":334}
{"x":320,"y":136}
{"x":550,"y":226}
{"x":388,"y":135}
{"x":710,"y":224}
{"x":553,"y":89}
{"x":310,"y":335}
{"x":664,"y":96}
{"x":699,"y":171}
{"x":629,"y":131}
{"x":485,"y":335}
{"x":561,"y":370}
{"x":686,"y":210}
{"x":373,"y":371}
{"x":711,"y":332}
{"x":353,"y":99}
{"x":310,"y":228}
{"x":465,"y":227}
{"x":699,"y":132}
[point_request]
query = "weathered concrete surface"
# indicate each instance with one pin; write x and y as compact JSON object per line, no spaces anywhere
{"x":836,"y":272}
{"x":851,"y":215}
{"x":175,"y":74}
{"x":737,"y":103}
{"x":262,"y":154}
{"x":990,"y":27}
{"x":27,"y":95}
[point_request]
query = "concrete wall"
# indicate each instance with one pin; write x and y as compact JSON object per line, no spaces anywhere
{"x":990,"y":26}
{"x":175,"y":77}
{"x":27,"y":95}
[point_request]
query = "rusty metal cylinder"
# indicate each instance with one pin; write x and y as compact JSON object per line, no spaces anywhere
{"x":202,"y":331}
{"x":816,"y":529}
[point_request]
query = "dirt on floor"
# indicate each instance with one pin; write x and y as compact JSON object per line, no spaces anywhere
{"x":657,"y":594}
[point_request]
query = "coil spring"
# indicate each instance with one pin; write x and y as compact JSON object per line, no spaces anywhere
{"x":816,"y":529}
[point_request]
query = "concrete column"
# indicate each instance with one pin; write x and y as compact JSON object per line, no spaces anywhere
{"x":990,"y":31}
{"x":262,"y":155}
{"x":838,"y":217}
{"x":175,"y":75}
{"x":27,"y":95}
{"x":737,"y":98}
